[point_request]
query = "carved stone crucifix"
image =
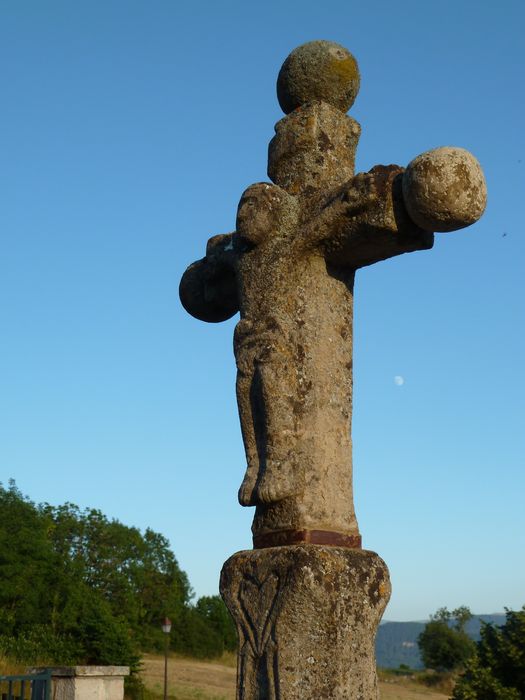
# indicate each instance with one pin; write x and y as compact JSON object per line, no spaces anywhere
{"x":307,"y":599}
{"x":289,"y":269}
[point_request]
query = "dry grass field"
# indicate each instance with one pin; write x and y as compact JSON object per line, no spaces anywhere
{"x":201,"y":680}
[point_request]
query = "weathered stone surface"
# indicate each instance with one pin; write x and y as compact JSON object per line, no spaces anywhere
{"x":292,"y":261}
{"x":208,"y":288}
{"x":313,"y":147}
{"x":86,"y":682}
{"x":293,"y":345}
{"x":307,"y":613}
{"x":444,"y":189}
{"x":319,"y":70}
{"x":307,"y":617}
{"x":289,"y":269}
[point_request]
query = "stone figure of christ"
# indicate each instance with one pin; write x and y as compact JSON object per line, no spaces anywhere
{"x":289,"y":269}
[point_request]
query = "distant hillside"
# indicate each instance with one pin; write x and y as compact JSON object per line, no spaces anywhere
{"x":396,"y":642}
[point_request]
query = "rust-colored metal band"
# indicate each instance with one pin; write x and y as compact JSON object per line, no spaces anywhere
{"x":282,"y":538}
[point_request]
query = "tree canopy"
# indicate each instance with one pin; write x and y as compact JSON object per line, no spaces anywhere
{"x":77,"y":587}
{"x":444,"y":644}
{"x":497,"y":670}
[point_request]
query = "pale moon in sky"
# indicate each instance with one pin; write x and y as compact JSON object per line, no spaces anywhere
{"x":399,"y":380}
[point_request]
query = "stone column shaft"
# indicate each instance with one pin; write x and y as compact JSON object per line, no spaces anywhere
{"x":307,"y":617}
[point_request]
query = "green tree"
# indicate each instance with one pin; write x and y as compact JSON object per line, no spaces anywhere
{"x":461,"y":616}
{"x":444,"y":644}
{"x":497,"y":671}
{"x":27,"y":563}
{"x":194,"y":636}
{"x":76,"y":587}
{"x":136,"y":574}
{"x":103,"y":637}
{"x":213,"y":610}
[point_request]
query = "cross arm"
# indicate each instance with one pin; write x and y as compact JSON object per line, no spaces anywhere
{"x":366,"y":221}
{"x":208,"y":288}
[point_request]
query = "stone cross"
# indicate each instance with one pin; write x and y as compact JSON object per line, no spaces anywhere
{"x":289,"y":269}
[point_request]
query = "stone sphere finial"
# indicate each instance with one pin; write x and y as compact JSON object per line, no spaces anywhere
{"x":319,"y":71}
{"x":444,"y":189}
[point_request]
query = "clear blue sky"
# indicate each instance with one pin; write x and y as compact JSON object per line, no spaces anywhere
{"x":128,"y":131}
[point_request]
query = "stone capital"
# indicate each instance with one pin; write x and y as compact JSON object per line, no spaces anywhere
{"x":307,"y":617}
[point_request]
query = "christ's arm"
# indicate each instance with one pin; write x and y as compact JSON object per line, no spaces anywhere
{"x":366,"y":221}
{"x":208,"y":288}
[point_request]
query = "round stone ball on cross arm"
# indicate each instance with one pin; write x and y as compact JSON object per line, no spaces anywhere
{"x":319,"y":71}
{"x":444,"y":189}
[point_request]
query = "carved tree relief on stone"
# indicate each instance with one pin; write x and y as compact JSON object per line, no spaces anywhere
{"x":257,"y":603}
{"x":289,"y":269}
{"x":302,"y":611}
